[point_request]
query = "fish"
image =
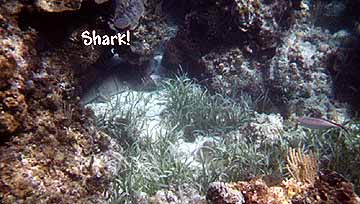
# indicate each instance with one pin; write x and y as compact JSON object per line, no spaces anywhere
{"x":319,"y":123}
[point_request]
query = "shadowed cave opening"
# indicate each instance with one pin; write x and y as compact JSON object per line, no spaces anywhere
{"x":55,"y":28}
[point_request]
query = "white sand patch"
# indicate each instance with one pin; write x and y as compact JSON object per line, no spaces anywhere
{"x":147,"y":104}
{"x":150,"y":104}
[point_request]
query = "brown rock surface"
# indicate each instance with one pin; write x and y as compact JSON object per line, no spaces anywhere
{"x":49,"y":145}
{"x":329,"y":187}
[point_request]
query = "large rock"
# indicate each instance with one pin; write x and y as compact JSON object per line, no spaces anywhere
{"x":128,"y":13}
{"x":49,"y":145}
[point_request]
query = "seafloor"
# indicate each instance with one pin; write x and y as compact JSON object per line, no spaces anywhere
{"x":200,"y":107}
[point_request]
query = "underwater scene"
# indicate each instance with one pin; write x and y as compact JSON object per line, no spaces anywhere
{"x":179,"y":101}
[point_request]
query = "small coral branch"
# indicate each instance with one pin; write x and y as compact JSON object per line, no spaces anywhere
{"x":302,"y":167}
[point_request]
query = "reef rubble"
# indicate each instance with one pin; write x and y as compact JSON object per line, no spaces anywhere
{"x":329,"y":187}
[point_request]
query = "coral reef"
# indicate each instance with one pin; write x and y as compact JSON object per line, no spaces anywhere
{"x":54,"y":153}
{"x":305,"y":187}
{"x":271,"y":51}
{"x":285,"y":73}
{"x":297,"y":77}
{"x":51,"y":149}
{"x":209,"y":25}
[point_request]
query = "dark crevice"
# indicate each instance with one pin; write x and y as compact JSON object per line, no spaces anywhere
{"x":344,"y":69}
{"x":54,"y":28}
